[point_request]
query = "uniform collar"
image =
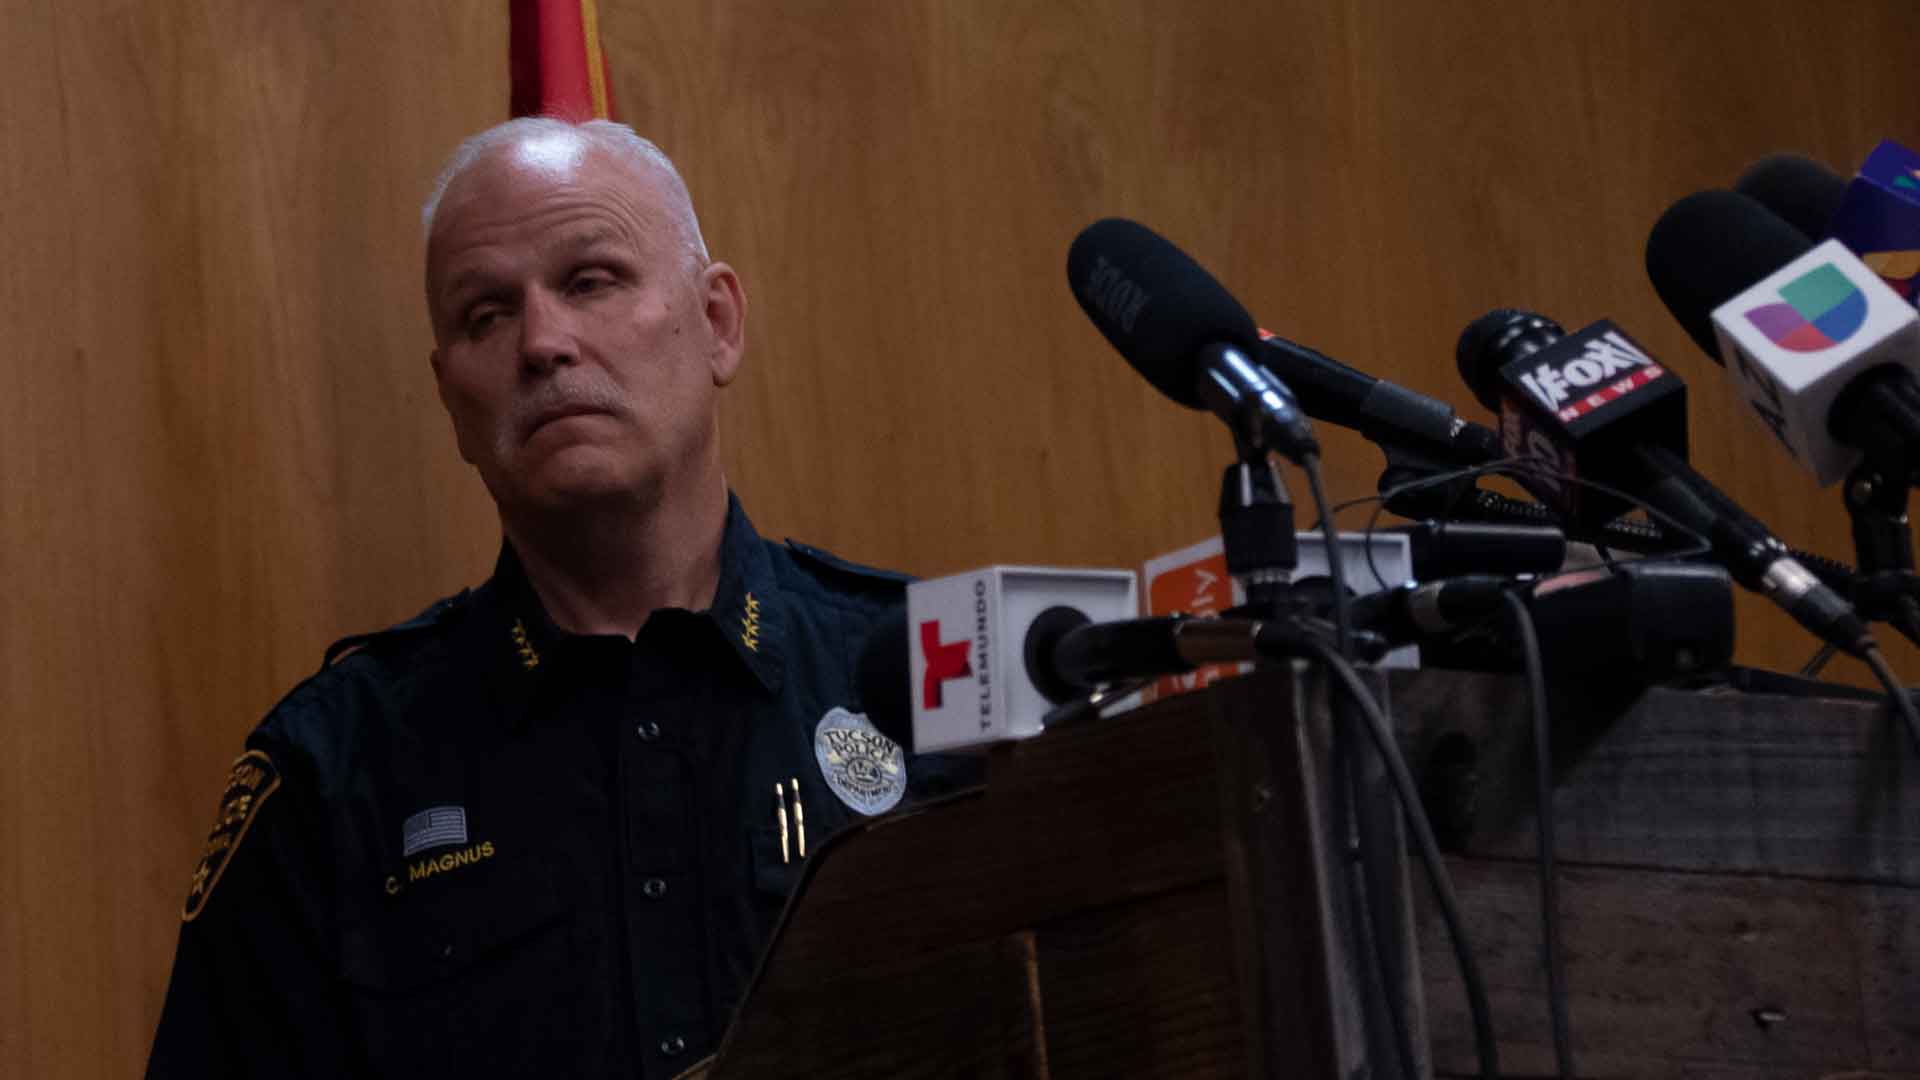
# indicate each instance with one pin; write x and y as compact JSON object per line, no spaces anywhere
{"x":748,"y":609}
{"x":747,"y":613}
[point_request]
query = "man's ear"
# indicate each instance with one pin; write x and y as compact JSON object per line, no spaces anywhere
{"x":726,"y":313}
{"x":439,"y":378}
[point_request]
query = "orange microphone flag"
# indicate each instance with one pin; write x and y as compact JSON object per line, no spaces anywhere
{"x":555,"y":62}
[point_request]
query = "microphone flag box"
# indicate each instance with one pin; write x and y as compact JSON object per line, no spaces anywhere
{"x":1194,"y":581}
{"x":1796,"y":339}
{"x":1879,"y":217}
{"x":966,"y":644}
{"x":1578,"y":406}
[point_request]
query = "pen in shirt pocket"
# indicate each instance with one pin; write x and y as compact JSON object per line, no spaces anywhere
{"x":780,"y":818}
{"x":799,"y":820}
{"x":793,"y":845}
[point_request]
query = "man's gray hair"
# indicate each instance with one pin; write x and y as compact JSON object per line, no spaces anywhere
{"x":621,"y":141}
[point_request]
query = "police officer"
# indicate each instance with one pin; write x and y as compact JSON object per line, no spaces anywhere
{"x":545,"y":827}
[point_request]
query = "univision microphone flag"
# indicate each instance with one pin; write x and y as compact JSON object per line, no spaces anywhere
{"x":555,"y":61}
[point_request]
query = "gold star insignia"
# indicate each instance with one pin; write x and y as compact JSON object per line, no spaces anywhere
{"x":529,"y":659}
{"x":750,"y":624}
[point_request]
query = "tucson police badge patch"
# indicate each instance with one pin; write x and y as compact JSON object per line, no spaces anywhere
{"x":865,"y":768}
{"x":253,"y":779}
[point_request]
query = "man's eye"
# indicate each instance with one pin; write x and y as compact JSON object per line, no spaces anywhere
{"x":586,"y":284}
{"x":480,"y":320}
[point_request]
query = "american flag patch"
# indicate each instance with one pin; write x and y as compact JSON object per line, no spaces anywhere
{"x":433,"y":827}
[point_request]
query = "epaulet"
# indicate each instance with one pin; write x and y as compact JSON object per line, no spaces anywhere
{"x":833,"y":567}
{"x":435,"y":615}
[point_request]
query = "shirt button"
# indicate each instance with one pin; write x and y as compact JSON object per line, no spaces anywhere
{"x":654,"y":888}
{"x":673,"y":1045}
{"x":647,"y":731}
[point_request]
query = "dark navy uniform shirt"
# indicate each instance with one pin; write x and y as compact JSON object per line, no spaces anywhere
{"x":478,"y":845}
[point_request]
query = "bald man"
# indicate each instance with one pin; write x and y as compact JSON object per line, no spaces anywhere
{"x":545,"y":827}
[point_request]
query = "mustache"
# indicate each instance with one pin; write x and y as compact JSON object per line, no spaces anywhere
{"x":553,"y":399}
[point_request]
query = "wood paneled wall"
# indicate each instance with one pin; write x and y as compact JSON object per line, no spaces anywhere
{"x":220,"y":448}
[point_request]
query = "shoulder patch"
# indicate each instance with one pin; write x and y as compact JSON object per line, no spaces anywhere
{"x":251,"y":780}
{"x":829,"y":564}
{"x":435,"y":614}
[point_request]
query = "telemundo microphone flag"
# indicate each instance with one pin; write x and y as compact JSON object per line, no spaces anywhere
{"x":555,"y":62}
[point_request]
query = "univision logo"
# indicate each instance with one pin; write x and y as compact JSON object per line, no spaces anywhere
{"x":1822,"y":310}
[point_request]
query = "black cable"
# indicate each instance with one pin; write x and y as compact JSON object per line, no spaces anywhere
{"x":1381,"y":732}
{"x":1606,"y":556}
{"x":1336,"y":572}
{"x":1370,"y":922}
{"x":1818,"y":661}
{"x":1544,"y":832}
{"x":1908,"y":619}
{"x":1897,"y":695}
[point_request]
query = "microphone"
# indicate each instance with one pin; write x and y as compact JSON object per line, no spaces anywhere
{"x":1068,"y":654}
{"x":1597,"y":403}
{"x":1802,"y":191}
{"x":954,"y":669}
{"x":1819,"y":348}
{"x":1183,"y":333}
{"x":1643,"y":621}
{"x":1579,"y":405}
{"x":1063,"y":654}
{"x":1879,"y":218}
{"x":1444,"y":549}
{"x":1415,"y":611}
{"x":1876,"y":215}
{"x":986,"y":655}
{"x":1330,"y":391}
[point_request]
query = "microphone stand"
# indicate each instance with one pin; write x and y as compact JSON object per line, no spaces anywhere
{"x":1262,"y":552}
{"x":1257,"y":532}
{"x":1886,"y":588}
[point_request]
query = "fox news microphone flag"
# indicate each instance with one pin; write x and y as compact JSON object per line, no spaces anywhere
{"x":554,"y":60}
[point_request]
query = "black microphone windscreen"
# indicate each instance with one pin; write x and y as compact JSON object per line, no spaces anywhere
{"x":883,"y":674}
{"x":1805,"y":193}
{"x":1156,"y":306}
{"x":1496,"y":339}
{"x":1709,"y":248}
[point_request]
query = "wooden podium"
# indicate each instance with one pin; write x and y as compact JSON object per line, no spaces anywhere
{"x":1739,"y":890}
{"x":1163,"y":894}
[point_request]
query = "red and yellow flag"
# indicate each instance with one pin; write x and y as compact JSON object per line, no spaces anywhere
{"x":555,"y":61}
